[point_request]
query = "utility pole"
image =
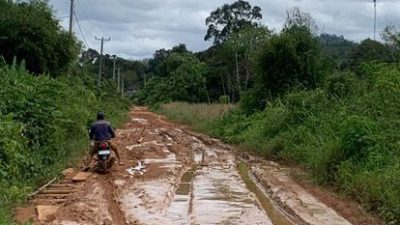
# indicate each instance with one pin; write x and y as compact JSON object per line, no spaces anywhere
{"x":71,"y":16}
{"x":115,"y":58}
{"x":123,"y":87}
{"x":374,"y":20}
{"x":101,"y":58}
{"x":119,"y":78}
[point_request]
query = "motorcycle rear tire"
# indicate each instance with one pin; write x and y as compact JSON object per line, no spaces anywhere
{"x":103,"y":166}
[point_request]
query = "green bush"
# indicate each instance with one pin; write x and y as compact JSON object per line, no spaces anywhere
{"x":346,"y":134}
{"x":43,"y":127}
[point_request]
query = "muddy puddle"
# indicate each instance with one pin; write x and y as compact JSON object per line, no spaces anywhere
{"x":194,"y":194}
{"x":220,"y":197}
{"x":188,"y":180}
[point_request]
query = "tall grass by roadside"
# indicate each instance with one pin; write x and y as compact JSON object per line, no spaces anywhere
{"x":345,"y":133}
{"x":43,"y":128}
{"x":199,"y":117}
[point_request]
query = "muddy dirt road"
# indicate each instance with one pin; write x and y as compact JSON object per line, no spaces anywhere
{"x":188,"y":179}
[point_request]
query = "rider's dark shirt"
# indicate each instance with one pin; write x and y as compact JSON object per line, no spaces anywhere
{"x":101,"y":130}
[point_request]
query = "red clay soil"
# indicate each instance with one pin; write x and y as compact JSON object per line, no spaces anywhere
{"x":170,"y":151}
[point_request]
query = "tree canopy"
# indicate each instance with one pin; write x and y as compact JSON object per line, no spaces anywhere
{"x":231,"y":18}
{"x":30,"y":33}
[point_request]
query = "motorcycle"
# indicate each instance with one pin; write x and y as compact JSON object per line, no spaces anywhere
{"x":104,"y":159}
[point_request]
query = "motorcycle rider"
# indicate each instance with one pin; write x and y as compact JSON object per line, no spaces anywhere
{"x":101,"y":131}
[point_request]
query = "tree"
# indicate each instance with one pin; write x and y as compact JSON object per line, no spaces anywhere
{"x":231,"y":18}
{"x":391,"y":35}
{"x":160,"y":55}
{"x":369,"y":50}
{"x":296,"y":19}
{"x":182,"y":79}
{"x":290,"y":59}
{"x":243,"y":48}
{"x":31,"y":33}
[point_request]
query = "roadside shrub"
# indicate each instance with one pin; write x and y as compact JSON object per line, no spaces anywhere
{"x":340,"y":84}
{"x":346,"y":134}
{"x":356,"y":137}
{"x":43,"y":127}
{"x":224,"y":99}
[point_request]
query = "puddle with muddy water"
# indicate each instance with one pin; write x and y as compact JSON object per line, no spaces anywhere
{"x":212,"y":194}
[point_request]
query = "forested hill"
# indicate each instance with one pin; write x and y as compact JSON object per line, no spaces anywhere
{"x":336,"y":46}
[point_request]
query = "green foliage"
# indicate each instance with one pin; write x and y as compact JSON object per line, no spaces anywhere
{"x":340,"y":84}
{"x":43,"y":126}
{"x":181,"y":80}
{"x":344,"y":133}
{"x":290,"y":59}
{"x":224,"y":99}
{"x":391,"y":35}
{"x":30,"y":32}
{"x":369,"y":50}
{"x":232,"y":18}
{"x":200,"y":117}
{"x":337,"y":48}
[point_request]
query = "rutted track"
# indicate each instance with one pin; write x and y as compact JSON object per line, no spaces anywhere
{"x":190,"y":179}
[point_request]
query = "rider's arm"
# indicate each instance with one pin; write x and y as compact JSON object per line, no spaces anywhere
{"x":111,"y":131}
{"x":91,"y":133}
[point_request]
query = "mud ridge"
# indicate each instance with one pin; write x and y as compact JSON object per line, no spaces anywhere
{"x":118,"y":217}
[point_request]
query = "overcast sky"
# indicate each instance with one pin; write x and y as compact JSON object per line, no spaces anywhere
{"x":139,"y":27}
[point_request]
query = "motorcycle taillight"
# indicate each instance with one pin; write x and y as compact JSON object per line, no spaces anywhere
{"x":103,"y":146}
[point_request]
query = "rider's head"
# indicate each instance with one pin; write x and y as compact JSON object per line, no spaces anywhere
{"x":100,"y":116}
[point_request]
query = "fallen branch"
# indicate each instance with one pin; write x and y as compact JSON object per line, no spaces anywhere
{"x":30,"y":196}
{"x":140,"y":137}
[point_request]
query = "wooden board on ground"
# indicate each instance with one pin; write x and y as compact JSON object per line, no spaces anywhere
{"x":44,"y":211}
{"x":81,"y":176}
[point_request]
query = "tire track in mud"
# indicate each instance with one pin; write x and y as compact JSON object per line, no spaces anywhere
{"x":190,"y":179}
{"x":117,"y":215}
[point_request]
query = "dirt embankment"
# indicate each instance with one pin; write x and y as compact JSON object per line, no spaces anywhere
{"x":188,"y":179}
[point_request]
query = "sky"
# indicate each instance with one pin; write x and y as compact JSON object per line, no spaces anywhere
{"x":138,"y":28}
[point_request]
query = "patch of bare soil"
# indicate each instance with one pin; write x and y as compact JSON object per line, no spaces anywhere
{"x":173,"y":176}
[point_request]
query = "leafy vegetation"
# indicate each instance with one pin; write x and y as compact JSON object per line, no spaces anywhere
{"x":39,"y":40}
{"x":44,"y":114}
{"x":43,"y":127}
{"x":232,"y":18}
{"x":200,"y":117}
{"x":320,"y":101}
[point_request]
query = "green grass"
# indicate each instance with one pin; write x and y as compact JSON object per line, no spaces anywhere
{"x":200,"y":117}
{"x":44,"y":128}
{"x":344,"y":133}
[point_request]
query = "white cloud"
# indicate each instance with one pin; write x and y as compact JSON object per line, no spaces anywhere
{"x":139,"y":27}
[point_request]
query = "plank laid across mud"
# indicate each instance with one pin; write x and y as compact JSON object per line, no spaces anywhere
{"x":42,"y":188}
{"x":60,"y":191}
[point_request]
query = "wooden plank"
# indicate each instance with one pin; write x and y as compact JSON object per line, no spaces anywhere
{"x":58,"y":191}
{"x":81,"y":176}
{"x":41,"y":188}
{"x":53,"y":195}
{"x":63,"y":186}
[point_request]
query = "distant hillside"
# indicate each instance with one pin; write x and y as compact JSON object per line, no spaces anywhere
{"x":336,"y":46}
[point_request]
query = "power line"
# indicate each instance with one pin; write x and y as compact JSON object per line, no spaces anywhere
{"x":80,"y":30}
